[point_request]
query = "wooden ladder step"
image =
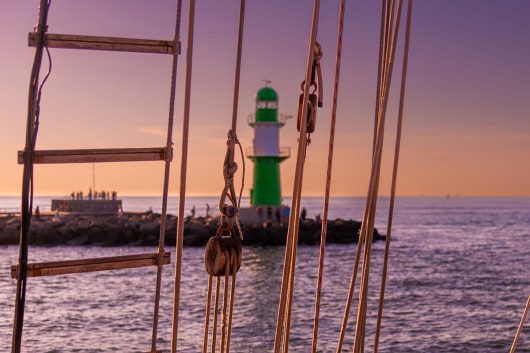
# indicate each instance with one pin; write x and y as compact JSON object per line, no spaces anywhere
{"x":91,"y":265}
{"x":99,"y":155}
{"x":72,"y":41}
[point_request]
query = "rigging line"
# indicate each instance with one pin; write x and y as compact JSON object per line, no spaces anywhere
{"x":292,"y":268}
{"x":520,"y":327}
{"x":232,"y":298}
{"x":216,"y":312}
{"x":394,"y":174}
{"x":320,"y":275}
{"x":370,"y":214}
{"x":349,"y":300}
{"x":167,"y":167}
{"x":237,"y":77}
{"x":183,"y":170}
{"x":372,"y":200}
{"x":27,"y":181}
{"x":225,"y":303}
{"x":292,"y":238}
{"x":207,"y":320}
{"x":379,"y":75}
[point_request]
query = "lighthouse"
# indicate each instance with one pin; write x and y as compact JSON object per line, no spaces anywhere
{"x":265,"y":152}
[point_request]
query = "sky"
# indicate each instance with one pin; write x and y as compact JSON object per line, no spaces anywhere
{"x":467,"y":113}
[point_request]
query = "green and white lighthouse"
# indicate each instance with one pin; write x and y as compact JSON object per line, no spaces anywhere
{"x":265,"y":152}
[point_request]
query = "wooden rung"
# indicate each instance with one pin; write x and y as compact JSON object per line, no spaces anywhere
{"x":91,"y":265}
{"x":99,"y":155}
{"x":70,"y":41}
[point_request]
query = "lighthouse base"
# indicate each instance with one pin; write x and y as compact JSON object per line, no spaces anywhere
{"x":261,"y":214}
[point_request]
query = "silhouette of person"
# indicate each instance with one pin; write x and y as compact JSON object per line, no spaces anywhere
{"x":193,"y":211}
{"x":207,"y":210}
{"x":269,"y":213}
{"x":303,"y":214}
{"x":278,"y":215}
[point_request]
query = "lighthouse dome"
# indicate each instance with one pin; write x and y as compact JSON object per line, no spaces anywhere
{"x":267,"y":94}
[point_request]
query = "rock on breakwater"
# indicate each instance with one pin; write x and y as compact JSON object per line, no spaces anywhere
{"x":141,"y":229}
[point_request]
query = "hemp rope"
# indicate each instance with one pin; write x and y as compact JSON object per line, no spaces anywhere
{"x":320,"y":275}
{"x":520,"y":327}
{"x":394,"y":175}
{"x":167,"y":167}
{"x":27,"y":181}
{"x":385,"y":10}
{"x":229,"y":169}
{"x":207,"y":318}
{"x":292,"y":234}
{"x":183,"y":171}
{"x":216,"y":313}
{"x":374,"y":186}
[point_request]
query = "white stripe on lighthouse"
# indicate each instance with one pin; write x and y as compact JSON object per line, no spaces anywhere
{"x":266,"y":139}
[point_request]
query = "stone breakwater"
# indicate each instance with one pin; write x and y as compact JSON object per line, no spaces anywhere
{"x":141,"y":229}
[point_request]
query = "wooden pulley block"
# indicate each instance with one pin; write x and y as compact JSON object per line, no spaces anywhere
{"x":311,"y":118}
{"x":219,"y":251}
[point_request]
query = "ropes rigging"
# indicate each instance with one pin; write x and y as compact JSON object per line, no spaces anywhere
{"x":183,"y":174}
{"x":286,"y":293}
{"x":223,"y":253}
{"x":320,"y":274}
{"x":394,"y":176}
{"x":32,"y":125}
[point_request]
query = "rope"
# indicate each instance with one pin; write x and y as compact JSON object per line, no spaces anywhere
{"x":237,"y":77}
{"x":292,"y":233}
{"x":167,"y":165}
{"x":320,"y":275}
{"x":183,"y":171}
{"x":394,"y":176}
{"x":225,"y":303}
{"x":207,"y":319}
{"x":369,"y":217}
{"x":27,"y":181}
{"x":216,"y":313}
{"x":521,"y":324}
{"x":382,"y":39}
{"x":232,"y":298}
{"x":385,"y":12}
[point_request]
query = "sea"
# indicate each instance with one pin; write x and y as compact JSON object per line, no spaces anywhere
{"x":459,"y":277}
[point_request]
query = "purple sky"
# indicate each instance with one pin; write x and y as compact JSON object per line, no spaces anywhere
{"x":467,"y":122}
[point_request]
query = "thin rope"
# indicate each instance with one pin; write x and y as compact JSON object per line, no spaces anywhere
{"x":207,"y":319}
{"x":394,"y":176}
{"x":292,"y":234}
{"x":232,"y":298}
{"x":167,"y":166}
{"x":225,"y":303}
{"x":320,"y":275}
{"x":27,"y":180}
{"x":382,"y":39}
{"x":237,"y":77}
{"x":382,"y":53}
{"x":216,"y":313}
{"x":183,"y":171}
{"x":369,"y":218}
{"x":520,"y":327}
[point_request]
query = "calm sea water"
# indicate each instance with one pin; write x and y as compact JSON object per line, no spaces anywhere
{"x":459,"y":278}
